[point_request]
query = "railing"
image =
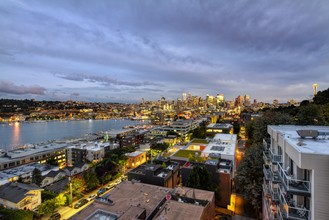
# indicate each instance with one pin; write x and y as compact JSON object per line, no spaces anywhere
{"x":267,"y":172}
{"x":290,"y":211}
{"x":293,"y":184}
{"x":276,"y":158}
{"x":272,"y":211}
{"x":280,"y":215}
{"x":266,"y":156}
{"x":266,"y":144}
{"x":275,"y":176}
{"x":274,"y":193}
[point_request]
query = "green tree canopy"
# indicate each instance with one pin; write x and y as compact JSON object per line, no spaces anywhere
{"x":310,"y":115}
{"x":257,"y":129}
{"x":91,"y":180}
{"x":249,"y":175}
{"x":160,"y":146}
{"x":322,"y":97}
{"x":200,"y":178}
{"x":36,"y":176}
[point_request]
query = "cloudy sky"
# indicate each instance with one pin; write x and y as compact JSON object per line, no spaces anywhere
{"x":124,"y":51}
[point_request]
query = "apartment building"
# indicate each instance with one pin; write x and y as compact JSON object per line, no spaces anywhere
{"x":296,"y":177}
{"x":81,"y":153}
{"x":133,"y":200}
{"x":33,"y":153}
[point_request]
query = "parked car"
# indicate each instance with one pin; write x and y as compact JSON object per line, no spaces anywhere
{"x":101,"y":191}
{"x":55,"y":216}
{"x":80,"y":203}
{"x":110,"y":186}
{"x":91,"y":197}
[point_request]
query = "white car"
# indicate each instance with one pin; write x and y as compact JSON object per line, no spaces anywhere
{"x":91,"y":197}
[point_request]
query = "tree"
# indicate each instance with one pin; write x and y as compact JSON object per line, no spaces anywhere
{"x":248,"y":176}
{"x":160,"y":146}
{"x":47,"y":207}
{"x":310,"y":115}
{"x":200,"y":178}
{"x":257,"y":129}
{"x":78,"y":186}
{"x":322,"y":97}
{"x":91,"y":180}
{"x":199,"y":132}
{"x":36,"y":176}
{"x":47,"y":195}
{"x":8,"y":214}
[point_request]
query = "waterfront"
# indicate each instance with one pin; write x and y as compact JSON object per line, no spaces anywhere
{"x":13,"y":135}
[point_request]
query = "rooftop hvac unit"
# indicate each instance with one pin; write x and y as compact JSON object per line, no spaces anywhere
{"x":308,"y":133}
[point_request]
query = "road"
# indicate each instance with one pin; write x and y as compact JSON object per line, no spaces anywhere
{"x":67,"y":212}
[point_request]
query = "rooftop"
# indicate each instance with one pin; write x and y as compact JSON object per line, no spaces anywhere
{"x":24,"y":170}
{"x":318,"y":145}
{"x":220,"y":125}
{"x":31,"y":150}
{"x":132,"y":199}
{"x":224,"y":144}
{"x":134,"y":154}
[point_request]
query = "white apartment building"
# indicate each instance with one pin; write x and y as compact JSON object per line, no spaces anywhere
{"x":296,"y":175}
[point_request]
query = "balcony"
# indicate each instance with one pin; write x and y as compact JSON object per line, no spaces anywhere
{"x":293,"y":185}
{"x":274,"y":193}
{"x":275,"y":176}
{"x":267,"y":172}
{"x":266,"y":144}
{"x":266,"y":157}
{"x":271,"y":209}
{"x":276,"y":158}
{"x":290,"y":211}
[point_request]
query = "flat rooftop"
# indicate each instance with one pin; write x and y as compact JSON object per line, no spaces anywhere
{"x":307,"y":145}
{"x":223,"y":144}
{"x":131,"y":199}
{"x":31,"y":149}
{"x":134,"y":154}
{"x":219,"y":125}
{"x":24,"y":170}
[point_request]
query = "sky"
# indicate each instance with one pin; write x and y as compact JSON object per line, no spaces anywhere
{"x":123,"y":51}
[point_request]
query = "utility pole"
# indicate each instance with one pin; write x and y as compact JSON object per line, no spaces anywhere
{"x":71,"y":199}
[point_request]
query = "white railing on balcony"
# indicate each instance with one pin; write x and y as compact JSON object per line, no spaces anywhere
{"x":293,"y":184}
{"x":266,"y":157}
{"x":275,"y":157}
{"x":272,"y":210}
{"x":290,"y":210}
{"x":274,"y":193}
{"x":267,"y":171}
{"x":266,"y":144}
{"x":275,"y":176}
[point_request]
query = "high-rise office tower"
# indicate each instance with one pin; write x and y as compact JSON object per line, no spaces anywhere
{"x":184,"y":96}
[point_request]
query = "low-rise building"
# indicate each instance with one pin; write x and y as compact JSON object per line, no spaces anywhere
{"x":24,"y":172}
{"x":51,"y":177}
{"x":87,"y":152}
{"x":76,"y":169}
{"x":20,"y":196}
{"x":218,"y":128}
{"x":131,"y":200}
{"x":165,"y":173}
{"x":33,"y":153}
{"x":135,"y":159}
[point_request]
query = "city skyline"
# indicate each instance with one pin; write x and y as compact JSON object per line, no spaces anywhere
{"x":112,"y":51}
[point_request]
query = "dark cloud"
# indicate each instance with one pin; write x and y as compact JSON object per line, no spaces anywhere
{"x":11,"y":88}
{"x":211,"y":46}
{"x":103,"y":80}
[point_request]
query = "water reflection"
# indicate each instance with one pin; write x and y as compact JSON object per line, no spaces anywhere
{"x":16,"y":133}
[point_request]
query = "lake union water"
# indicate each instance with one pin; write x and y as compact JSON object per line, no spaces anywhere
{"x":16,"y":134}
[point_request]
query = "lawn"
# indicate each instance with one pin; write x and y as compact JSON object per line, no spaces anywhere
{"x":199,"y":141}
{"x":186,"y":153}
